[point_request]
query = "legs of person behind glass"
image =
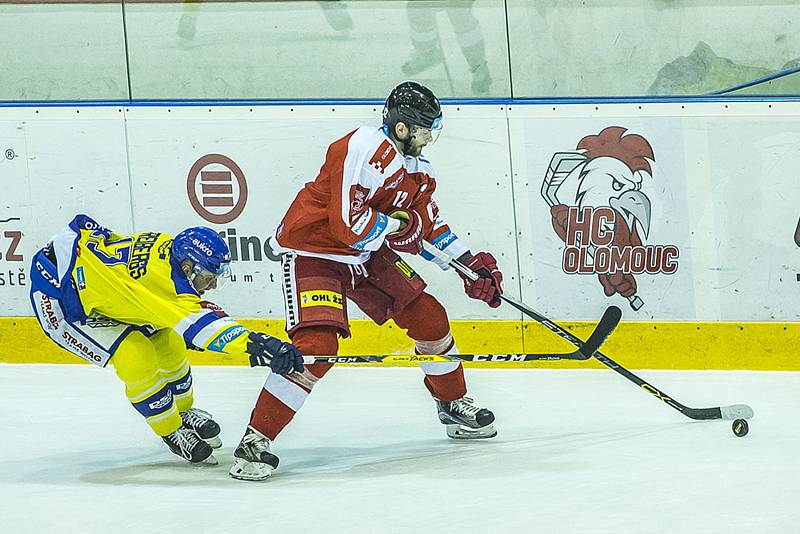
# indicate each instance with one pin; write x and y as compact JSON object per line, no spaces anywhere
{"x":136,"y":363}
{"x":336,"y":14}
{"x":187,"y":25}
{"x":279,"y":400}
{"x":424,"y":37}
{"x":426,"y":41}
{"x":425,"y":321}
{"x":470,"y":39}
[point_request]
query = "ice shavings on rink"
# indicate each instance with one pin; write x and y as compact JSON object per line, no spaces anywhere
{"x":577,"y":452}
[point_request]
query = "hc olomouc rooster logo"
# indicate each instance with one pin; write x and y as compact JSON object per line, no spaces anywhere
{"x":600,"y":212}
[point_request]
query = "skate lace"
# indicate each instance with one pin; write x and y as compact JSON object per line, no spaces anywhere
{"x":195,"y":417}
{"x":256,"y":443}
{"x":186,"y":440}
{"x":464,"y":406}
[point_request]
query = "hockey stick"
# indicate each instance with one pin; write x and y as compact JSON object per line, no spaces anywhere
{"x":434,"y":358}
{"x":604,"y":328}
{"x":734,"y":411}
{"x":611,"y":316}
{"x":586,"y":349}
{"x":417,"y":358}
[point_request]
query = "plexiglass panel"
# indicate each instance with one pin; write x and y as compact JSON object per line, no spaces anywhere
{"x":62,"y":52}
{"x":648,"y":47}
{"x":335,"y":49}
{"x":165,"y":49}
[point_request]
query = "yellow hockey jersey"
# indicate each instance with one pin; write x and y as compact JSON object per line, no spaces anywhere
{"x":134,"y":280}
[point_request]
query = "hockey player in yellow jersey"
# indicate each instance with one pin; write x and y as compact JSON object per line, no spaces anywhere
{"x":136,"y":301}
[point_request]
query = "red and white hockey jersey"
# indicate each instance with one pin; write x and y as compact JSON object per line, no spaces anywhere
{"x":343,"y":214}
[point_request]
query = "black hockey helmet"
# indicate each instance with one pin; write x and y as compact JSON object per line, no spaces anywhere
{"x":413,"y":104}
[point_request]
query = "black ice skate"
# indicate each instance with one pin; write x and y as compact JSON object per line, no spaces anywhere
{"x":202,"y":423}
{"x":466,"y":421}
{"x":187,"y":444}
{"x":252,"y":459}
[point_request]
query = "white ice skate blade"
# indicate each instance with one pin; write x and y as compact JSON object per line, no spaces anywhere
{"x":214,"y":443}
{"x":463,"y":432}
{"x":210,"y":461}
{"x":244,"y":470}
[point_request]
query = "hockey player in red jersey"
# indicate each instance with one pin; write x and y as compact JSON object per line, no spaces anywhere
{"x":373,"y":197}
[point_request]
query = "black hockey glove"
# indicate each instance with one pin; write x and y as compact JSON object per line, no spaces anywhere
{"x":283,"y":358}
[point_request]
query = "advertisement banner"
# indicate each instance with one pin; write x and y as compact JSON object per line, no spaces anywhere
{"x":676,"y":212}
{"x":238,"y":172}
{"x":55,"y":163}
{"x":673,"y":215}
{"x":15,"y":220}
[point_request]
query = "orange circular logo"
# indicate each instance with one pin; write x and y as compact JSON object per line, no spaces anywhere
{"x":216,"y":188}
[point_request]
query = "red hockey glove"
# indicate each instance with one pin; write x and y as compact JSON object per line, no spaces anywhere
{"x":409,"y":239}
{"x":489,"y":286}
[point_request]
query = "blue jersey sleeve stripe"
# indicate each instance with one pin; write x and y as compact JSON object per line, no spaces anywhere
{"x":190,"y":333}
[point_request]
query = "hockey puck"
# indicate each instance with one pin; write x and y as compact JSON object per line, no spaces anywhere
{"x":740,"y":427}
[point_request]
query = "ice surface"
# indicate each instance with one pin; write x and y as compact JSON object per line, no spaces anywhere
{"x":577,"y":452}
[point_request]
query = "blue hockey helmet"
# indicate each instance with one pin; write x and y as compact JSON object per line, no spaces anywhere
{"x":208,"y":253}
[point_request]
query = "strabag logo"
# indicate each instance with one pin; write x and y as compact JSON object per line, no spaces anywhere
{"x":46,"y":306}
{"x":599,"y":211}
{"x":82,"y":350}
{"x":217,"y":189}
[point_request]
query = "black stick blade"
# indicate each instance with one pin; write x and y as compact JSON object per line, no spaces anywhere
{"x":608,"y":322}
